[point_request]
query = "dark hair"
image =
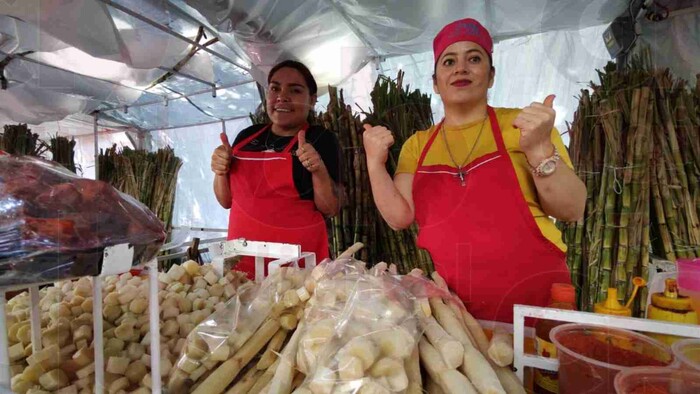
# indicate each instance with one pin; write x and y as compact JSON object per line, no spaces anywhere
{"x":303,"y":70}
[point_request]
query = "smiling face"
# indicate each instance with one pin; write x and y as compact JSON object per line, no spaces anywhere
{"x":463,"y":74}
{"x":288,"y":98}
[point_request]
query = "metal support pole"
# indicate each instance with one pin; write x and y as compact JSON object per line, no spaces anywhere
{"x":35,"y":316}
{"x":97,"y":149}
{"x":97,"y":326}
{"x":154,"y":325}
{"x":4,"y":344}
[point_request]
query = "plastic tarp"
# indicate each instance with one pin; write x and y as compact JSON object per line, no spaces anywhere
{"x":336,"y":38}
{"x":78,"y":56}
{"x":675,"y":42}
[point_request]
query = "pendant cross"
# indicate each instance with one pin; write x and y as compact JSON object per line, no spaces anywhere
{"x":460,"y":174}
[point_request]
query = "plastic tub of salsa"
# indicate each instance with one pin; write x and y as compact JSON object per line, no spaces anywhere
{"x":687,"y":352}
{"x":591,"y":356}
{"x":651,"y":380}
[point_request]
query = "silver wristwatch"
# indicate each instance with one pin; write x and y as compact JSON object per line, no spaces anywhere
{"x":547,"y":166}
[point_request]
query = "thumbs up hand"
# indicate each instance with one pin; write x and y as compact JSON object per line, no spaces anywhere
{"x":377,"y":141}
{"x":535,"y":123}
{"x":221,"y":158}
{"x":308,"y":156}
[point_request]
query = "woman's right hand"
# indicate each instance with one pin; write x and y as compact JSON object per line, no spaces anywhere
{"x":377,"y":141}
{"x":221,"y":158}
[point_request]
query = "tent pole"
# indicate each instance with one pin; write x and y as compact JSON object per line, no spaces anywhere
{"x":97,"y":150}
{"x":171,"y":32}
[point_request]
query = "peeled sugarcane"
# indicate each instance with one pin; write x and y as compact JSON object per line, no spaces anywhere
{"x":508,"y":380}
{"x":501,"y":348}
{"x":449,"y":348}
{"x":412,"y":365}
{"x":262,"y":381}
{"x":476,"y":367}
{"x":246,"y":382}
{"x":449,"y":380}
{"x":270,"y":356}
{"x":284,"y":374}
{"x":223,"y":376}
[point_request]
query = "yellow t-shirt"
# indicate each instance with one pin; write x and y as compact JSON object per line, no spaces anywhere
{"x":462,"y":139}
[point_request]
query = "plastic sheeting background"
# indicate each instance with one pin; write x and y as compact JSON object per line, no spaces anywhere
{"x":527,"y":70}
{"x":335,"y":38}
{"x":88,"y":56}
{"x":675,"y":43}
{"x":195,"y":203}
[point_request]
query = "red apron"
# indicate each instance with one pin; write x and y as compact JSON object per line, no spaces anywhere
{"x":265,"y":203}
{"x":482,"y":237}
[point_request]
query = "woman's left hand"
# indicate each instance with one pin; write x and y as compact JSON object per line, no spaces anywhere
{"x":308,"y":156}
{"x":535,"y":123}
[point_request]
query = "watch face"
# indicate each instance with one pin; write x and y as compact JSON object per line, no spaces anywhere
{"x":549,"y":167}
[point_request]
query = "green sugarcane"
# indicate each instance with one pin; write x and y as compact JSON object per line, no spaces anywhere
{"x":691,"y":226}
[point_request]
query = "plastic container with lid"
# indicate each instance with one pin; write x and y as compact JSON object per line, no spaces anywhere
{"x":591,"y":356}
{"x":689,"y":280}
{"x":651,"y":380}
{"x":687,"y":352}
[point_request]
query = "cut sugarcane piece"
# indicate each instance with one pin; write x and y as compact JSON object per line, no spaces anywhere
{"x":501,"y":348}
{"x":450,"y":349}
{"x":449,"y":380}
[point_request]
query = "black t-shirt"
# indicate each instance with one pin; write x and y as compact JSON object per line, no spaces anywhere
{"x":324,"y":141}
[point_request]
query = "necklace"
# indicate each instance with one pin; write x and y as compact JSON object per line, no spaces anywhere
{"x":460,"y":168}
{"x":274,"y":143}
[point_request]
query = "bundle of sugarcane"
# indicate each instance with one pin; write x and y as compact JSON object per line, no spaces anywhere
{"x":677,"y":169}
{"x":63,"y":152}
{"x":403,"y":112}
{"x":150,"y":177}
{"x":634,"y":142}
{"x":19,"y":140}
{"x":356,"y":221}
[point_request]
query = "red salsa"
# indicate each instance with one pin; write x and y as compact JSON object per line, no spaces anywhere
{"x":592,"y":347}
{"x":650,"y":389}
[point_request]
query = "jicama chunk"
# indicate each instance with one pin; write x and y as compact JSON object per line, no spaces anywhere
{"x":83,"y":332}
{"x":86,"y":371}
{"x":54,"y":380}
{"x":124,"y":332}
{"x":117,"y":365}
{"x":83,"y":356}
{"x":72,"y":389}
{"x":176,"y":272}
{"x":191,"y":267}
{"x":136,"y":371}
{"x":138,"y":305}
{"x":111,"y":299}
{"x":188,"y":365}
{"x":16,"y":352}
{"x":119,"y":384}
{"x":135,"y":351}
{"x":32,"y":373}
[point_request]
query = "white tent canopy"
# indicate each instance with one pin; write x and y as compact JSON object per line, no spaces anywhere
{"x":66,"y":60}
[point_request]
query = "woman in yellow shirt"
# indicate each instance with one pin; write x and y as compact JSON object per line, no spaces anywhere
{"x":481,"y":184}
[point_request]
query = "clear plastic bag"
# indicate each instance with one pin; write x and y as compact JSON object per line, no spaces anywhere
{"x":361,"y":331}
{"x":241,"y":329}
{"x":55,"y":225}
